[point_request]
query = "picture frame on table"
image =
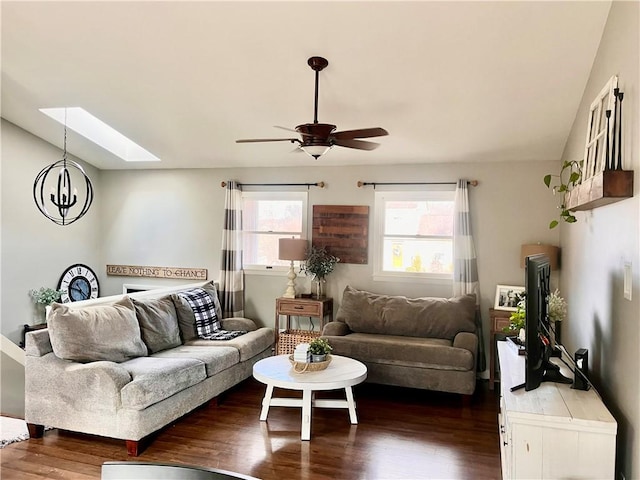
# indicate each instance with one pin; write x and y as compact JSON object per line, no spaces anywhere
{"x":508,"y":296}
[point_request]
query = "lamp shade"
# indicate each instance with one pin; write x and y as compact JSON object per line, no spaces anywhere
{"x":551,"y":251}
{"x":315,"y":150}
{"x":292,"y":249}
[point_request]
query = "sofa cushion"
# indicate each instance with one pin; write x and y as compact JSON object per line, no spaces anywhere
{"x":94,"y":333}
{"x":433,"y":353}
{"x":248,"y":345}
{"x":426,"y":317}
{"x":216,"y":359}
{"x":186,"y":317}
{"x":154,"y":379}
{"x":158,"y":323}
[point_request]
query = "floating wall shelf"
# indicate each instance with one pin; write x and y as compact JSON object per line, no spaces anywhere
{"x":606,"y":187}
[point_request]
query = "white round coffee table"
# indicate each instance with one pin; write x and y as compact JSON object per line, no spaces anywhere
{"x":342,"y":372}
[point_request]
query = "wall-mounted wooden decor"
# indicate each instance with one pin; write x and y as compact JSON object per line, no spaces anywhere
{"x":157,"y":272}
{"x":343,"y":230}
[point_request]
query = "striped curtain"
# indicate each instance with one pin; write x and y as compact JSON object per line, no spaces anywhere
{"x":231,"y":274}
{"x":465,"y":269}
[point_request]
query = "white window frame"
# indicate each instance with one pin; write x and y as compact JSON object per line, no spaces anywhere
{"x":258,"y":269}
{"x":596,"y":146}
{"x":442,"y":192}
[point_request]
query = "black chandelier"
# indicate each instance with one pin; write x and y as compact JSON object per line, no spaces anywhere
{"x":62,"y":197}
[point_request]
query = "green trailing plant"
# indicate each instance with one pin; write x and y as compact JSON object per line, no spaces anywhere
{"x":319,"y":346}
{"x":573,"y":169}
{"x":45,"y":296}
{"x":319,"y":262}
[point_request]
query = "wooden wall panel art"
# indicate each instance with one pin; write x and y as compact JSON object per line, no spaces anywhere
{"x":343,"y":230}
{"x":157,"y":272}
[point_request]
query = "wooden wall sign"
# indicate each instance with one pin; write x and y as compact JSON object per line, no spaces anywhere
{"x":157,"y":272}
{"x":343,"y":230}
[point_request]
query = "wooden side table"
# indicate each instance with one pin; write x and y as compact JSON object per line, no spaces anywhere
{"x":499,"y":320}
{"x":30,"y":328}
{"x":302,"y":307}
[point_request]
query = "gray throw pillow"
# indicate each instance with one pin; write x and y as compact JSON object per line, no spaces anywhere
{"x":94,"y":333}
{"x":158,"y":323}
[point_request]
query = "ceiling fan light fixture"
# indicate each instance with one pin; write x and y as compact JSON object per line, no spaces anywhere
{"x":315,"y":151}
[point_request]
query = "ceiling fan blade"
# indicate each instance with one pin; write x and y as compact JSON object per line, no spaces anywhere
{"x":361,"y":133}
{"x":294,"y":131}
{"x":285,"y":128}
{"x":358,"y":144}
{"x":255,"y":140}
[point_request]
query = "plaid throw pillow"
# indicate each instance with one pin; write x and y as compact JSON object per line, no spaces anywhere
{"x":204,"y":309}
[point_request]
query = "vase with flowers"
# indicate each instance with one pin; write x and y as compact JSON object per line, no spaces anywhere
{"x":42,"y":298}
{"x":557,"y":311}
{"x":319,"y":263}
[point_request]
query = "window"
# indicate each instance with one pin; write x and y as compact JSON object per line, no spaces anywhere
{"x":267,"y":217}
{"x":414,"y":235}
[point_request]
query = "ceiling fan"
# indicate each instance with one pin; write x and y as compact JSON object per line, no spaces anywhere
{"x":318,"y":138}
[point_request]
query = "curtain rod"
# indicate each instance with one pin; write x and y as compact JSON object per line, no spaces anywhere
{"x":473,"y":183}
{"x":317,"y":184}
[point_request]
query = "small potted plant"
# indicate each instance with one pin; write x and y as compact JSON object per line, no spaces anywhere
{"x":516,"y":322}
{"x":319,"y":349}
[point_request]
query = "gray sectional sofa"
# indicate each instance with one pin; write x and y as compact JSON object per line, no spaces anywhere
{"x":427,"y":343}
{"x":126,"y":366}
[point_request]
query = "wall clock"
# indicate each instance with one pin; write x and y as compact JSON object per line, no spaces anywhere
{"x":78,"y":282}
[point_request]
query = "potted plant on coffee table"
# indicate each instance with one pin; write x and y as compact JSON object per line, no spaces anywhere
{"x":319,"y":349}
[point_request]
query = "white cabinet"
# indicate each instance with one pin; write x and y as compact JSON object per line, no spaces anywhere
{"x":554,"y":431}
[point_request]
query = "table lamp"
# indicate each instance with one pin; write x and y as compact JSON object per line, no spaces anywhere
{"x":292,"y":249}
{"x":550,"y":251}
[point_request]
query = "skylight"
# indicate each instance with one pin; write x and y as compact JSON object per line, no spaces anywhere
{"x":82,"y":122}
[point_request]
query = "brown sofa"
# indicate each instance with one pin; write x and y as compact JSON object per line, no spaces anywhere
{"x":427,"y":343}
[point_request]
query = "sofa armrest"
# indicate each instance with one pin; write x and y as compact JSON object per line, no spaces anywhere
{"x":54,"y":387}
{"x":239,"y":323}
{"x":38,"y":343}
{"x":466,"y":340}
{"x":335,"y":329}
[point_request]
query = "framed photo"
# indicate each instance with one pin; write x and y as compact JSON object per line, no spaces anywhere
{"x":507,"y":297}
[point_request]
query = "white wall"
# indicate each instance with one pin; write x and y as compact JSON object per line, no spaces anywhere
{"x":596,"y":248}
{"x":34,"y":250}
{"x":174,"y":218}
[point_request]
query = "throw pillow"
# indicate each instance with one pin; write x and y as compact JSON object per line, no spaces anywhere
{"x":204,"y":311}
{"x":186,"y":318}
{"x":94,"y":333}
{"x":158,"y":323}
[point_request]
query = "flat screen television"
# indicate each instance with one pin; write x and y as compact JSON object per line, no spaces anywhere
{"x":538,"y":348}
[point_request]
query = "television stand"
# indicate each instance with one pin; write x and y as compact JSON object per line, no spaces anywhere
{"x":551,"y":374}
{"x":554,"y":431}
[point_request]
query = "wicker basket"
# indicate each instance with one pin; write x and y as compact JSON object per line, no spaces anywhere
{"x":288,"y":340}
{"x":303,"y":367}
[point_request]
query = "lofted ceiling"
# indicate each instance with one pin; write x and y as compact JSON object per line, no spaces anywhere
{"x":451,"y":81}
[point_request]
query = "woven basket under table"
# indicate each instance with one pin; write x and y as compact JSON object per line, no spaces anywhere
{"x":288,"y":340}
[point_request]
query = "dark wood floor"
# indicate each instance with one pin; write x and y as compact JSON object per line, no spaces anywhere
{"x":402,"y":434}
